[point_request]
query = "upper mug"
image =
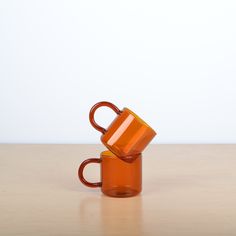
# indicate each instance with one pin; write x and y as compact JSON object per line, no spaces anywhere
{"x":127,"y":135}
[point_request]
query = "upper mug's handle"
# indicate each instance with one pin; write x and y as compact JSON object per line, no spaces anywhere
{"x":95,"y":107}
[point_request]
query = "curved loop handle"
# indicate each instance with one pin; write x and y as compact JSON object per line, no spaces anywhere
{"x":81,"y":170}
{"x":95,"y":107}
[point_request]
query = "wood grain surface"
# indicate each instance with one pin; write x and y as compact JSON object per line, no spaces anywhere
{"x":187,"y":190}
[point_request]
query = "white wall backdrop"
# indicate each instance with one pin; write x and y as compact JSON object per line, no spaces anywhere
{"x":172,"y":62}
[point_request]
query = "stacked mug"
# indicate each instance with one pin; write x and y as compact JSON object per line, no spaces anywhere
{"x":121,"y":164}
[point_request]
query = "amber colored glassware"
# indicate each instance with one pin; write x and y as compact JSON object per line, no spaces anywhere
{"x":118,"y":178}
{"x":127,"y":135}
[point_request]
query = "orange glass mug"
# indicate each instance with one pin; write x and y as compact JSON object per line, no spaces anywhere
{"x":127,"y":135}
{"x":118,"y":178}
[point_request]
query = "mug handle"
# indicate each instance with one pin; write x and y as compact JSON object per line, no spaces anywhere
{"x":81,"y":170}
{"x":95,"y":107}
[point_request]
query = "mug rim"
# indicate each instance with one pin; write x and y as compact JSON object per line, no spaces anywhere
{"x":107,"y":153}
{"x":139,"y":119}
{"x":110,"y":154}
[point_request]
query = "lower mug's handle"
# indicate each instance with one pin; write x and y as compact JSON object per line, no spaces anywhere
{"x":81,"y":176}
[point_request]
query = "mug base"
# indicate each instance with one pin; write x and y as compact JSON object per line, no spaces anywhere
{"x":121,"y":192}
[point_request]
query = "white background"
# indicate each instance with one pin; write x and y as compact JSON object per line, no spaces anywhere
{"x":171,"y":62}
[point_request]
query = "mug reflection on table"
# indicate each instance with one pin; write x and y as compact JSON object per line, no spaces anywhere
{"x":111,"y":216}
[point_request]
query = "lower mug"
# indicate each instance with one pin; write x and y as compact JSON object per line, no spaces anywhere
{"x":118,"y":178}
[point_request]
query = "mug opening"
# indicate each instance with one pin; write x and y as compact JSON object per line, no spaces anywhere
{"x":107,"y":153}
{"x":128,"y":159}
{"x":139,"y":119}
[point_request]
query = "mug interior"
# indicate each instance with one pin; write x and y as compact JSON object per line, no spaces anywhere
{"x":138,"y":118}
{"x":107,"y":153}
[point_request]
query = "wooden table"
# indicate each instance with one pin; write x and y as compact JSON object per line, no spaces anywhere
{"x":187,"y":190}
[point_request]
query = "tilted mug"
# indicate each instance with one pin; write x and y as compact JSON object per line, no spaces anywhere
{"x":127,"y":135}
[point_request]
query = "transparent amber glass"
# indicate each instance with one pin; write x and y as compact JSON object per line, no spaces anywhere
{"x":127,"y":135}
{"x":118,"y":178}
